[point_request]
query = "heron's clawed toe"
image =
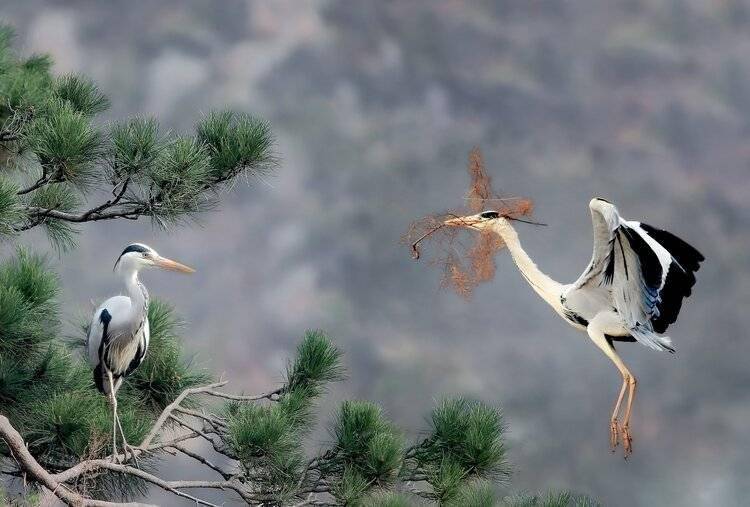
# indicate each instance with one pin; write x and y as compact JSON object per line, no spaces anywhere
{"x":131,"y":451}
{"x":614,"y":434}
{"x":627,"y":441}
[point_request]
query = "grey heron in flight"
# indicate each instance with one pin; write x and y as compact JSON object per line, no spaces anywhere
{"x":632,"y":289}
{"x":118,"y":335}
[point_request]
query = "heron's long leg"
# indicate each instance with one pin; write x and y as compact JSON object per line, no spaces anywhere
{"x":113,"y":402}
{"x":126,"y":447}
{"x":614,"y":429}
{"x":627,"y":440}
{"x":597,"y":336}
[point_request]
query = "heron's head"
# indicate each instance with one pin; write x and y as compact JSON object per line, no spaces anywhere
{"x":478,"y":222}
{"x":138,"y":256}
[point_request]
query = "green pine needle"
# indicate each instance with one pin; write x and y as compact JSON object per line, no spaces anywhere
{"x":550,"y":499}
{"x":238,"y":143}
{"x":367,"y":442}
{"x":178,"y":182}
{"x":10,"y":207}
{"x":387,"y":499}
{"x":474,"y":494}
{"x":81,"y":93}
{"x":66,"y":144}
{"x":62,"y":197}
{"x":471,"y":434}
{"x":38,"y":63}
{"x":264,"y":439}
{"x":351,"y":487}
{"x":136,"y":145}
{"x":316,"y":363}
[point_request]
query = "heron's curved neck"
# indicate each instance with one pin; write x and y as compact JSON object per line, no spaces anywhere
{"x":546,"y":287}
{"x":138,"y":295}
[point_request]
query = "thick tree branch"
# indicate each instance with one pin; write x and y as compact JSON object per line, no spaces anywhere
{"x":32,"y":468}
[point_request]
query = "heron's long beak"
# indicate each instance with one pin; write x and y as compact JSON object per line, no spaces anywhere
{"x":171,"y":265}
{"x":461,"y":221}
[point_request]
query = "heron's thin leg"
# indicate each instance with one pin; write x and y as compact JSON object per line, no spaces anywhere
{"x":627,"y":440}
{"x":614,"y":429}
{"x":113,"y":401}
{"x":597,"y":336}
{"x":127,"y":448}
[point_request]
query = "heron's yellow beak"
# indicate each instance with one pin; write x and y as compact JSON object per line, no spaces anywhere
{"x":461,"y":221}
{"x":171,"y":265}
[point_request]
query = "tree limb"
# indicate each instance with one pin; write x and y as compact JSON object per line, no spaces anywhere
{"x":176,"y":403}
{"x":52,"y":482}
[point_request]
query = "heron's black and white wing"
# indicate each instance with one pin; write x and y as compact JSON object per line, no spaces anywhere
{"x":605,"y":223}
{"x":647,"y":271}
{"x":110,"y":321}
{"x":140,"y":353}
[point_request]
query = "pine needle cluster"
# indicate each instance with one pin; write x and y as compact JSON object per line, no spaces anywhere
{"x":57,"y":155}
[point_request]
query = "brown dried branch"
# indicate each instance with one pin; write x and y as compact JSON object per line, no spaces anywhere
{"x":465,"y":267}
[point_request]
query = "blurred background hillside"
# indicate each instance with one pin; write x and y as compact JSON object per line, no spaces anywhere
{"x":376,"y":106}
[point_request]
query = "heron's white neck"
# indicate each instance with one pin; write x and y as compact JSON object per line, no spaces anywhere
{"x":546,"y":287}
{"x":138,"y":296}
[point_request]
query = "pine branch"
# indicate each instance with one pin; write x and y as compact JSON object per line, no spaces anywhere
{"x":176,"y":403}
{"x":197,"y":457}
{"x":35,"y":471}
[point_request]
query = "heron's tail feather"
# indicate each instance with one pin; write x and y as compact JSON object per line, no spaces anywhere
{"x":100,"y":380}
{"x":652,"y":340}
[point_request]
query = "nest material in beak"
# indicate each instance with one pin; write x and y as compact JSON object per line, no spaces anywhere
{"x":461,"y":222}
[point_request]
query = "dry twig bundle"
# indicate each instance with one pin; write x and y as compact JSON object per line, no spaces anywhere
{"x":467,"y":262}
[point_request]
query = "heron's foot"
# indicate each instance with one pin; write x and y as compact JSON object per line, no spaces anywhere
{"x":627,"y":441}
{"x":614,"y":434}
{"x":128,"y":449}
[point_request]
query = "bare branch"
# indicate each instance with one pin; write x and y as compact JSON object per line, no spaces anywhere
{"x":212,"y":420}
{"x":171,"y":486}
{"x":53,"y":483}
{"x":273,"y":395}
{"x":187,"y":452}
{"x":88,"y":216}
{"x":169,"y":408}
{"x":43,"y":180}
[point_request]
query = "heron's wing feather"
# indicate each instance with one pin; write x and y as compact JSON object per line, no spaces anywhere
{"x":680,"y":276}
{"x":633,"y":267}
{"x":117,"y":311}
{"x":641,"y":266}
{"x":605,"y":222}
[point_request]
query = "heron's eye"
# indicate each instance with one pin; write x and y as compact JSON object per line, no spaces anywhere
{"x":490,"y":214}
{"x":146,"y":254}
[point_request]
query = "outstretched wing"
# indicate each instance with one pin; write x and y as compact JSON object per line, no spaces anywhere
{"x":605,"y":222}
{"x":645,"y":279}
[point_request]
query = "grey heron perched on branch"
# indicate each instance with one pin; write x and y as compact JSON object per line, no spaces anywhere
{"x":632,"y":289}
{"x":118,"y":335}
